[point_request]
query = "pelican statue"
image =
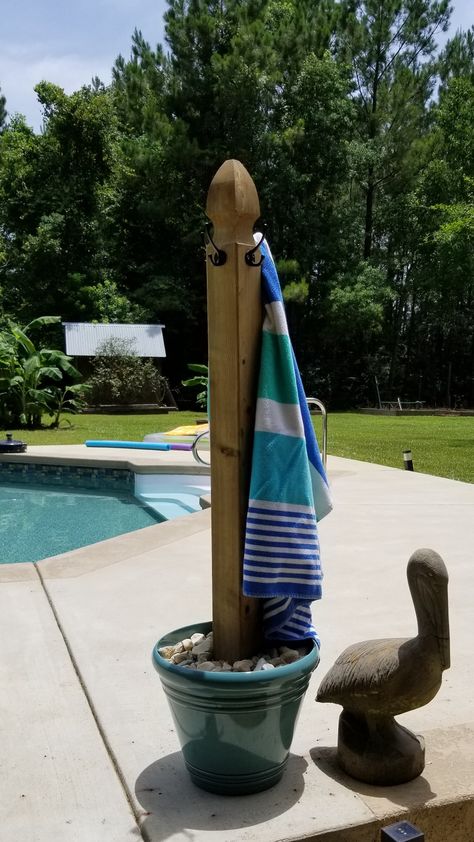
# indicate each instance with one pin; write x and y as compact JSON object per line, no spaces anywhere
{"x":377,"y":679}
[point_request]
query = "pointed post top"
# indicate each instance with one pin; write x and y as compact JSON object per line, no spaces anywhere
{"x":232,"y":204}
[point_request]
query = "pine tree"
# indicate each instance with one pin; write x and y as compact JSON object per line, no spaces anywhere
{"x":3,"y":111}
{"x":457,"y":58}
{"x":390,"y":44}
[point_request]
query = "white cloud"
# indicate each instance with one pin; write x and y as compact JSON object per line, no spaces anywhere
{"x":68,"y":43}
{"x":22,"y":68}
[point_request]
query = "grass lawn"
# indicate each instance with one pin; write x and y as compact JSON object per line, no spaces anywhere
{"x":75,"y":429}
{"x":443,"y":446}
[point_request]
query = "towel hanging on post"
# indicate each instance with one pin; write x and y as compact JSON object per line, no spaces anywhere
{"x":289,"y":491}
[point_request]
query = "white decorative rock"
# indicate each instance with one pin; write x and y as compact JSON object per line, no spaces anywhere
{"x":166,"y":652}
{"x":181,"y":658}
{"x":202,"y":648}
{"x":196,"y":652}
{"x":276,"y":662}
{"x":243,"y":666}
{"x":207,"y":666}
{"x":289,"y":656}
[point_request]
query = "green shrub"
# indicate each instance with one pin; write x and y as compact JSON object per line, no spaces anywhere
{"x":121,"y":377}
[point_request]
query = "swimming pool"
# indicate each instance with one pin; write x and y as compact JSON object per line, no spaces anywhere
{"x":48,"y":510}
{"x":40,"y":521}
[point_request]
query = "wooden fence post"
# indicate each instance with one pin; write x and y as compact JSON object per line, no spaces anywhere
{"x":234,"y":325}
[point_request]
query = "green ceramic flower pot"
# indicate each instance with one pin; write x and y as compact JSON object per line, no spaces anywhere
{"x":235,"y":729}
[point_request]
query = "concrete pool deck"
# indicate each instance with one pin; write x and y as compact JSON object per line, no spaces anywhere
{"x":88,"y":747}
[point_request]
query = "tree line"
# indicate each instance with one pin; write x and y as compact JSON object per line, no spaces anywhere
{"x":359,"y":133}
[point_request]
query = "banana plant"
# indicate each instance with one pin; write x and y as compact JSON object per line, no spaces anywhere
{"x":69,"y":399}
{"x":30,"y":375}
{"x":202,"y":379}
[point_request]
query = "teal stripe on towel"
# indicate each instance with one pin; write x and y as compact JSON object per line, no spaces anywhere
{"x":288,"y":480}
{"x":281,"y":562}
{"x":277,"y":358}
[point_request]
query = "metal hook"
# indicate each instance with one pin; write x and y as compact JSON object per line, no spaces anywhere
{"x":250,"y":255}
{"x":220,"y":257}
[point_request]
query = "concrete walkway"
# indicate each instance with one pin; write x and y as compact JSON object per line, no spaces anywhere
{"x":88,"y":747}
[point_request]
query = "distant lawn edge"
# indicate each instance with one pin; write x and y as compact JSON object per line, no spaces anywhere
{"x":441,"y":445}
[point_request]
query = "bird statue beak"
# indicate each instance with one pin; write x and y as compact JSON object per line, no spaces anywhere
{"x":443,"y":636}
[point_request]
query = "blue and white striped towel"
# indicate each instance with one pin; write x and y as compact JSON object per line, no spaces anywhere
{"x":289,"y":491}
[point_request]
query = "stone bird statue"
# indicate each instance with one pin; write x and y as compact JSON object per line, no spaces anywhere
{"x":377,"y":679}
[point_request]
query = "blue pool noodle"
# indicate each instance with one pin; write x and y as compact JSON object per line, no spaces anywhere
{"x":136,"y":445}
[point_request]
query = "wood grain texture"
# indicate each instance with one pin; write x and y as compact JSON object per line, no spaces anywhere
{"x":234,"y":329}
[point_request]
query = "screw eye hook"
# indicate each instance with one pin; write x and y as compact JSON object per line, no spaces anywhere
{"x":250,"y":255}
{"x":219,"y":257}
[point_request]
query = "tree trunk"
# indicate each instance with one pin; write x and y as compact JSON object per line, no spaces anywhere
{"x":409,"y":343}
{"x":369,"y":214}
{"x":370,"y":196}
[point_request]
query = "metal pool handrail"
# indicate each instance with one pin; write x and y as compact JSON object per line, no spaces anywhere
{"x":195,"y":452}
{"x":320,"y":405}
{"x":310,"y":401}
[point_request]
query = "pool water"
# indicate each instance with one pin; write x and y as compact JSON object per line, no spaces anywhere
{"x":40,"y":521}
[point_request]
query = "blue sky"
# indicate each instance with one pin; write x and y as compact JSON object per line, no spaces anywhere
{"x":70,"y":41}
{"x":67,"y":42}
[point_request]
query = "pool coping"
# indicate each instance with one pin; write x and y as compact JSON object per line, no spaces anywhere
{"x":140,"y":462}
{"x":122,"y":547}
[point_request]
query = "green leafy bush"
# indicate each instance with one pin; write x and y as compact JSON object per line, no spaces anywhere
{"x":121,"y":377}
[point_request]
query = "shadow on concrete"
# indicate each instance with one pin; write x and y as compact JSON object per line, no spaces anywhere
{"x":413,"y":794}
{"x":335,"y":474}
{"x":172,"y":804}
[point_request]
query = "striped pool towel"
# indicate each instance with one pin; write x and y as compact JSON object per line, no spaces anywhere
{"x":289,"y":491}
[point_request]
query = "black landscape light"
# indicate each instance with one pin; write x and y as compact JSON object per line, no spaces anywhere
{"x":401,"y":832}
{"x":408,"y":460}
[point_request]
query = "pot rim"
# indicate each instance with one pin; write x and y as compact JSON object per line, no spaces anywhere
{"x":305,"y":664}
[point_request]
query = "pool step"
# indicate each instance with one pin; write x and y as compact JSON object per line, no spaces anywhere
{"x":170,"y":506}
